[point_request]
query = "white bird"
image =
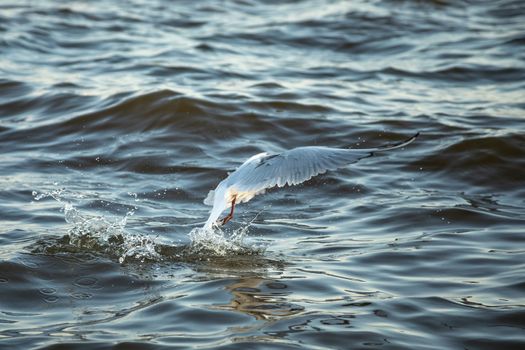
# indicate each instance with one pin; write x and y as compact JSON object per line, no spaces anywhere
{"x":292,"y":167}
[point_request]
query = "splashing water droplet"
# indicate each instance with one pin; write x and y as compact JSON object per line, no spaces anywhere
{"x":102,"y":234}
{"x":134,"y":195}
{"x":216,"y":241}
{"x":55,"y":194}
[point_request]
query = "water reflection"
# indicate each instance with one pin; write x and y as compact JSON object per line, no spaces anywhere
{"x":264,"y":299}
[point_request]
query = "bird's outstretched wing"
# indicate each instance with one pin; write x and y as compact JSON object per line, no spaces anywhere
{"x":298,"y":165}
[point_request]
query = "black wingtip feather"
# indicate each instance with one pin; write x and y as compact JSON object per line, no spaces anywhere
{"x":398,"y":144}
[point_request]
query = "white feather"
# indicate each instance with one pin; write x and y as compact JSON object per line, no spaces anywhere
{"x":209,"y":198}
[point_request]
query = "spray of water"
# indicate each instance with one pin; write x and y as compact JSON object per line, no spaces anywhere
{"x":217,"y":241}
{"x":100,"y":233}
{"x":108,"y":235}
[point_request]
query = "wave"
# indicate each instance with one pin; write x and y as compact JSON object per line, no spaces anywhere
{"x":488,"y":162}
{"x":470,"y":73}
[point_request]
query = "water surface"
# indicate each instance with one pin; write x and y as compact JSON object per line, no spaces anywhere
{"x":117,"y":118}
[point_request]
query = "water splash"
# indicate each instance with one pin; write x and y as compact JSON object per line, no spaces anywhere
{"x":139,"y":247}
{"x":55,"y":194}
{"x":100,"y":233}
{"x":215,"y":241}
{"x":219,"y":242}
{"x":108,"y":236}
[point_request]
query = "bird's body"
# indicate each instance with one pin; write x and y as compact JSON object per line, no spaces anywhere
{"x":292,"y":167}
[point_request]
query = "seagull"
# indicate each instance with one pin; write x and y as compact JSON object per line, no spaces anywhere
{"x":266,"y":170}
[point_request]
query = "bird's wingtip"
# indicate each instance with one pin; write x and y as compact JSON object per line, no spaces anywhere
{"x":411,"y":139}
{"x":399,"y":144}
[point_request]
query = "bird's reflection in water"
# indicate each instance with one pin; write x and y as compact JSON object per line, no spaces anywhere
{"x":264,"y":299}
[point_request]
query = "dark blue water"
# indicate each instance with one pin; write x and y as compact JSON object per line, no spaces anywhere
{"x":117,"y":118}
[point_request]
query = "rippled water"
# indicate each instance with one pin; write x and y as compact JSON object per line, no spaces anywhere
{"x":117,"y":118}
